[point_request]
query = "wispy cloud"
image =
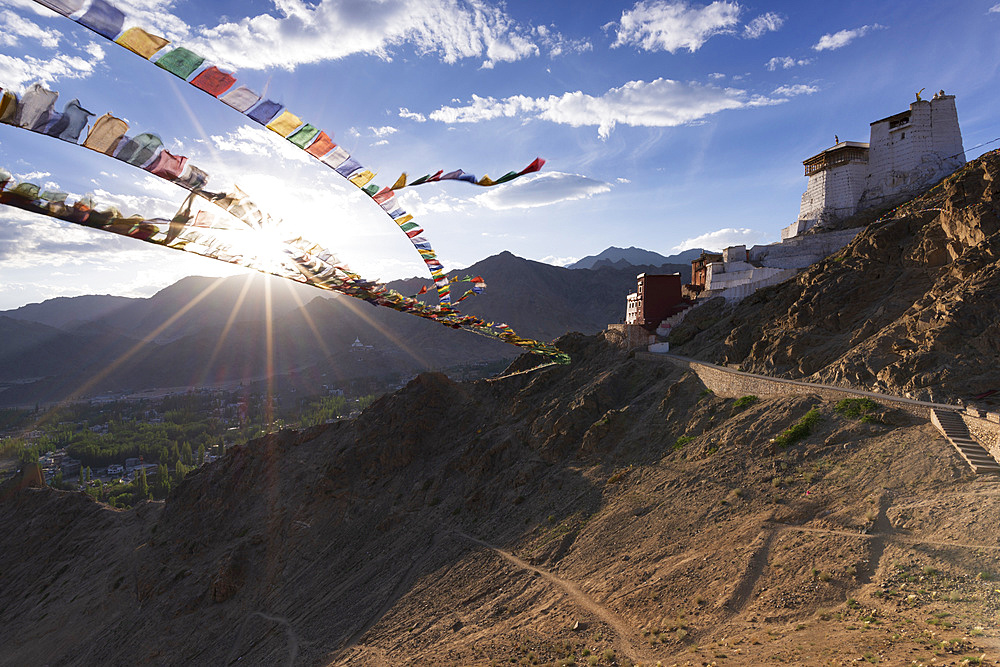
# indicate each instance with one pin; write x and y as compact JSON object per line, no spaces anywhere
{"x":995,"y":9}
{"x":842,"y":38}
{"x":672,"y":26}
{"x":785,"y":62}
{"x":257,"y":141}
{"x":302,"y":32}
{"x":556,"y":44}
{"x":796,"y":89}
{"x":542,"y":189}
{"x":19,"y":72}
{"x":559,"y":261}
{"x":659,"y":103}
{"x":16,"y":27}
{"x":412,"y":115}
{"x":721,"y":238}
{"x":763,"y":24}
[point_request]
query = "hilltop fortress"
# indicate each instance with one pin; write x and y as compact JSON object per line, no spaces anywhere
{"x":906,"y":154}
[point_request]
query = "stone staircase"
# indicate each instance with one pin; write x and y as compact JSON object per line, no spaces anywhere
{"x":955,"y":431}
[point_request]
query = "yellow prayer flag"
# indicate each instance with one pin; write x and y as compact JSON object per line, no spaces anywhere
{"x":400,"y":182}
{"x":361,"y":179}
{"x":139,"y":41}
{"x":403,"y":220}
{"x":485,"y":180}
{"x":285,"y":124}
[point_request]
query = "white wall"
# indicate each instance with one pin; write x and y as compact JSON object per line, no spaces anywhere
{"x":906,"y":159}
{"x":833,"y":193}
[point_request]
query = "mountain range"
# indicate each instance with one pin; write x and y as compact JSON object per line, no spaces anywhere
{"x":202,"y":331}
{"x":623,"y":258}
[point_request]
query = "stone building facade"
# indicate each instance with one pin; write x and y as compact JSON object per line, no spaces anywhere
{"x":906,"y":153}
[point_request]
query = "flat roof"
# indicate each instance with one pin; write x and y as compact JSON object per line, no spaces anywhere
{"x":838,"y":147}
{"x":895,"y":116}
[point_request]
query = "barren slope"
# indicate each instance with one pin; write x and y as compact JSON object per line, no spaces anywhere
{"x":534,"y":518}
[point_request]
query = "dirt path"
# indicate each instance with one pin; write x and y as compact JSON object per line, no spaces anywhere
{"x":293,"y":641}
{"x":625,"y":633}
{"x":893,"y":537}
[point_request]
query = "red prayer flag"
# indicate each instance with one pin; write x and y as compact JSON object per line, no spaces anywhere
{"x":214,"y":81}
{"x":321,"y":145}
{"x":167,"y":165}
{"x":423,"y":290}
{"x":534,"y":166}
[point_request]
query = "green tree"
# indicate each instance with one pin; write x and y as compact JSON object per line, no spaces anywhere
{"x":83,"y":477}
{"x":162,"y":481}
{"x":201,"y":454}
{"x":142,"y":486}
{"x":187,"y":456}
{"x":88,"y":474}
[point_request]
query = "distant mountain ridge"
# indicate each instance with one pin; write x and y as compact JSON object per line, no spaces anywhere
{"x":202,"y":331}
{"x":623,"y":257}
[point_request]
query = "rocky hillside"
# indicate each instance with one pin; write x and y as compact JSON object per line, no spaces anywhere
{"x":909,"y":307}
{"x":608,"y":512}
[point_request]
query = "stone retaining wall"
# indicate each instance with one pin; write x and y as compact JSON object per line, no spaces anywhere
{"x":731,"y":383}
{"x":986,"y":430}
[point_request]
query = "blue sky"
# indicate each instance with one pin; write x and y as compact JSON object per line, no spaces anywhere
{"x":664,"y":124}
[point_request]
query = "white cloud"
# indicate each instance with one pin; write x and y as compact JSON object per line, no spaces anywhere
{"x":796,"y":89}
{"x":553,"y":41}
{"x":258,"y":141}
{"x":995,"y":9}
{"x":721,"y":238}
{"x":28,"y":240}
{"x":301,"y":32}
{"x":382,"y":132}
{"x":659,"y":103}
{"x":671,"y":26}
{"x":411,"y":115}
{"x":715,"y":76}
{"x":764,"y":23}
{"x":413,"y":201}
{"x":18,"y":72}
{"x":623,"y":180}
{"x":559,"y":261}
{"x":32,"y":176}
{"x":785,"y":62}
{"x":542,"y":189}
{"x":843,"y":38}
{"x":16,"y":26}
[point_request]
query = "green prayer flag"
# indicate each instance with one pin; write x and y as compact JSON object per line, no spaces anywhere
{"x":302,"y":136}
{"x":180,"y":62}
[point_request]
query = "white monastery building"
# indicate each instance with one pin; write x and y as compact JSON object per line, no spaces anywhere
{"x":907,"y":153}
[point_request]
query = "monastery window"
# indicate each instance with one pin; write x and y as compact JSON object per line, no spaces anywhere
{"x":899,"y":122}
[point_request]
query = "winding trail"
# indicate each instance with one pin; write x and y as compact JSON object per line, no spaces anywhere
{"x":293,"y":641}
{"x":891,"y":537}
{"x":625,"y":633}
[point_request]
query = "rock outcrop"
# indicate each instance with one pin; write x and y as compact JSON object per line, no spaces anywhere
{"x":909,"y":307}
